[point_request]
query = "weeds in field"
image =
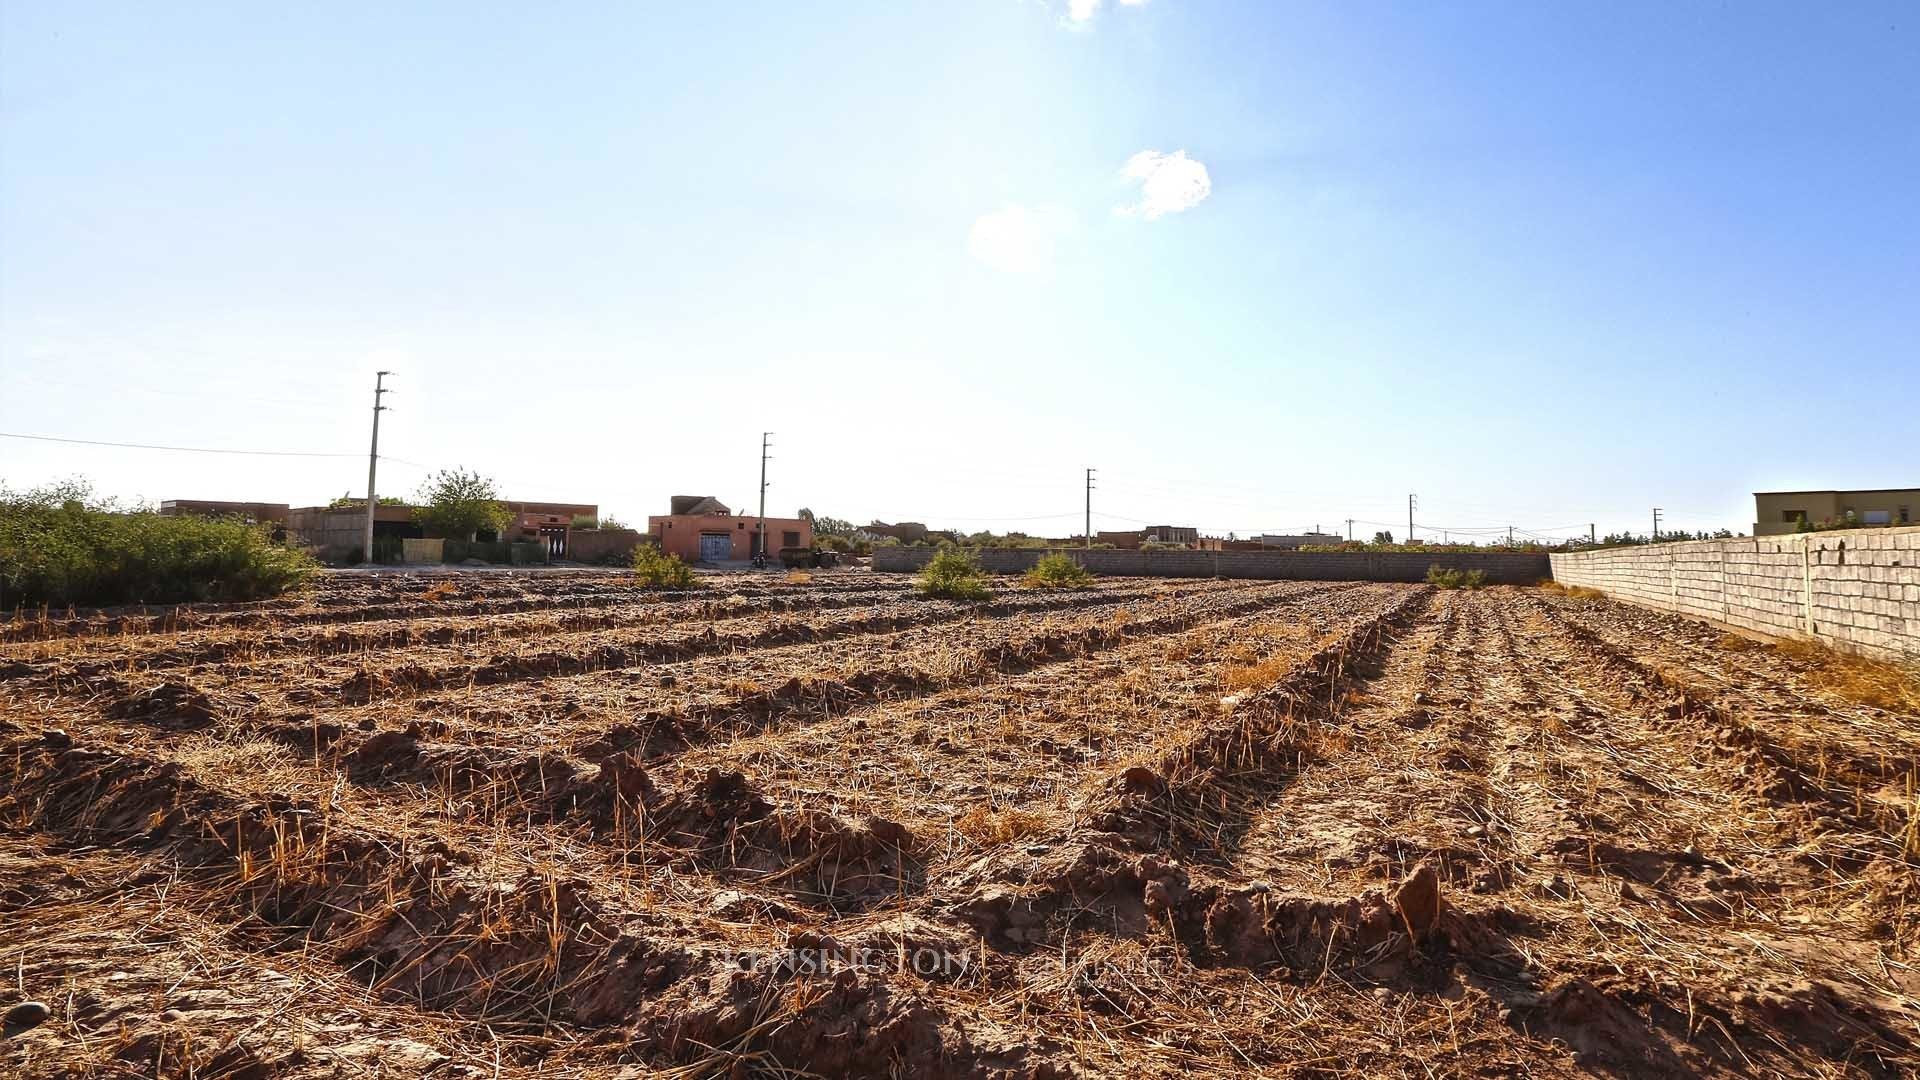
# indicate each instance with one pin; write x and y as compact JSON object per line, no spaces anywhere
{"x":1578,"y":592}
{"x":1452,"y":578}
{"x":445,"y":590}
{"x":954,"y":575}
{"x":799,"y":577}
{"x":659,"y":570}
{"x":1881,"y":684}
{"x":1057,"y":571}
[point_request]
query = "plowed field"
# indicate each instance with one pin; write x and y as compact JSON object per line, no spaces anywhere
{"x":509,"y":825}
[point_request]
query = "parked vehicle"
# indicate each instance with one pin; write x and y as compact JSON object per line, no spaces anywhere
{"x":800,"y":558}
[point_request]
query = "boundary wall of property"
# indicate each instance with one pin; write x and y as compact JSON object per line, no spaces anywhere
{"x":1500,"y":567}
{"x":603,"y":545}
{"x":1853,"y":589}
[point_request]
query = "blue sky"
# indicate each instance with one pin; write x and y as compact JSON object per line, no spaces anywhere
{"x":1264,"y":265}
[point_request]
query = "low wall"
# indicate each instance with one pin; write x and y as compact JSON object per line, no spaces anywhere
{"x":1500,"y":567}
{"x":1857,"y":589}
{"x":422,"y":552}
{"x":602,"y":545}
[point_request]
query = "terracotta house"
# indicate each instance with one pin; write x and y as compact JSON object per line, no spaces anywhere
{"x":700,"y":528}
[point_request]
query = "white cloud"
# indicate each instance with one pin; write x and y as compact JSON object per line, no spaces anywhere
{"x":1169,"y":183}
{"x":1018,"y":239}
{"x":1082,"y":12}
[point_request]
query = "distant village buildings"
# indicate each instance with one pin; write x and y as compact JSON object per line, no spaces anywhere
{"x":701,"y":528}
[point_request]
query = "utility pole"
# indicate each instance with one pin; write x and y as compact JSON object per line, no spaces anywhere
{"x":1090,"y":508}
{"x":1592,"y":537}
{"x":760,"y":540}
{"x":1410,"y":505}
{"x":1509,"y":536}
{"x":373,"y":459}
{"x":1656,"y":524}
{"x":1349,"y":530}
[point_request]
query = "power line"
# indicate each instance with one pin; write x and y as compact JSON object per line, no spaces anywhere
{"x":180,"y":449}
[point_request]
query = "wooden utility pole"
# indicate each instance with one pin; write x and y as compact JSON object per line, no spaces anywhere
{"x":373,"y":462}
{"x":1411,"y":500}
{"x":1656,"y":523}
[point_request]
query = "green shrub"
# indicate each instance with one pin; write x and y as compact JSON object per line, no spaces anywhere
{"x":1058,"y":571}
{"x":59,"y":547}
{"x":954,"y":575}
{"x":1451,"y":578}
{"x":658,"y":570}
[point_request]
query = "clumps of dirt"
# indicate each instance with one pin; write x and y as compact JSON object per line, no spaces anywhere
{"x":1097,"y":885}
{"x":707,"y":815}
{"x":383,"y":755}
{"x":721,"y":821}
{"x":849,"y":1023}
{"x":664,"y":732}
{"x":304,"y":732}
{"x":539,"y":945}
{"x":1628,"y":1025}
{"x":492,"y":776}
{"x":413,"y":920}
{"x":1814,"y":1014}
{"x":817,"y":855}
{"x":1598,"y":1020}
{"x":367,"y":685}
{"x":171,"y":705}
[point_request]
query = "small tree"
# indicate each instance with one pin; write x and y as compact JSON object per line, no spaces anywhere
{"x":460,"y":503}
{"x":1383,"y":537}
{"x":657,"y":569}
{"x":954,"y":575}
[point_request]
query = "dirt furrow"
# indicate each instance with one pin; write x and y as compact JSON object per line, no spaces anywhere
{"x":535,"y":955}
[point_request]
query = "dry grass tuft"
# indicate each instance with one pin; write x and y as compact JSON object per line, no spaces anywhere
{"x":1578,"y":592}
{"x":444,"y":590}
{"x":1258,"y":675}
{"x":1910,"y":836}
{"x":1881,"y":684}
{"x":984,"y":826}
{"x":798,"y":577}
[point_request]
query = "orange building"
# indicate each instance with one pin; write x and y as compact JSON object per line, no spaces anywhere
{"x":700,"y":528}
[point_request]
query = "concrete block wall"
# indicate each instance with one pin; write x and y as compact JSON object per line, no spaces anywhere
{"x":1857,"y":589}
{"x":1511,"y":569}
